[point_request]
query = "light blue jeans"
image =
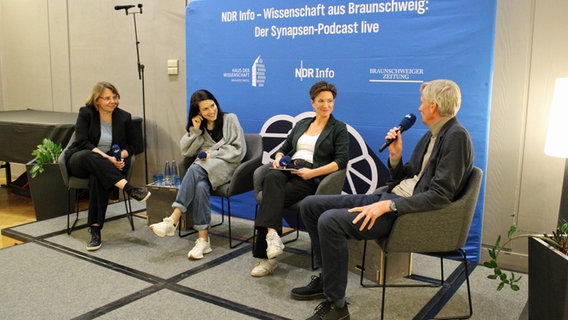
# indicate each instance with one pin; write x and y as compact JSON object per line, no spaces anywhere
{"x":195,"y":189}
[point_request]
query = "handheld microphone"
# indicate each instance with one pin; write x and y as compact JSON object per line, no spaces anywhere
{"x":285,"y":161}
{"x":405,"y":124}
{"x":116,"y":152}
{"x":202,"y":155}
{"x":125,"y":7}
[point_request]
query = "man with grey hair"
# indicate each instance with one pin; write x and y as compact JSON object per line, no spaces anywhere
{"x":433,"y":177}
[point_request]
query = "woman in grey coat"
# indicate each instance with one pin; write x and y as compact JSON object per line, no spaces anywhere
{"x":218,"y":141}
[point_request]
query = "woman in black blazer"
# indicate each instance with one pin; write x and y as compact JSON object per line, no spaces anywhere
{"x":101,"y":127}
{"x":316,"y":147}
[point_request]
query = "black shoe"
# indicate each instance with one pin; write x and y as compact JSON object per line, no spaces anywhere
{"x":329,"y":311}
{"x":314,"y":290}
{"x":96,"y":241}
{"x":139,"y":194}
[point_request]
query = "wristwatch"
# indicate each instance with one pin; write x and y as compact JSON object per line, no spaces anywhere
{"x":393,"y":206}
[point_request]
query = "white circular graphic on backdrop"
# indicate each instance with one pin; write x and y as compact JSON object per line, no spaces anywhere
{"x":276,"y":129}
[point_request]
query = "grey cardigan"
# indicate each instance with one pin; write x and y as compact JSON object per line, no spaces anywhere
{"x":224,"y":156}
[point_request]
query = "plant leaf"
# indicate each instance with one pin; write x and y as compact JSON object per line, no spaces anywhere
{"x":512,"y":230}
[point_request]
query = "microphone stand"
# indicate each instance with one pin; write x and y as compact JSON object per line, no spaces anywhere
{"x":141,"y":77}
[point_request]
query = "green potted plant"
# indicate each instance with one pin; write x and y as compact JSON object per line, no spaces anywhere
{"x":47,"y":152}
{"x":548,"y":271}
{"x":48,"y":192}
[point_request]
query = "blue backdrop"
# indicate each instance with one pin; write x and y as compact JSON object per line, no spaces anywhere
{"x":260,"y":58}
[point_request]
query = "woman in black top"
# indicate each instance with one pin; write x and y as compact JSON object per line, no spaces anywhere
{"x":100,"y":126}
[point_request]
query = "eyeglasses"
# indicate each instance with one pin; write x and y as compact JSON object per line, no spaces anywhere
{"x":107,"y":99}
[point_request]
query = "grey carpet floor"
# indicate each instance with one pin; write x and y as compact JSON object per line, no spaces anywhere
{"x":136,"y":275}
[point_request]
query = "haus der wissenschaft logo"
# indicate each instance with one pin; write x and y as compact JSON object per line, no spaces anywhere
{"x":255,"y":74}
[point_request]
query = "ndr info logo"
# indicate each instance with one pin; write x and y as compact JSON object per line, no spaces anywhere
{"x":313,"y":73}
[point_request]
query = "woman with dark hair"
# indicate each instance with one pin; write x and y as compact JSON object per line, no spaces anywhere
{"x":100,"y":125}
{"x":218,"y":139}
{"x":317,"y":146}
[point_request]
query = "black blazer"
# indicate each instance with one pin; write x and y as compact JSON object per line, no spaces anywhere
{"x":332,"y":144}
{"x":88,"y":130}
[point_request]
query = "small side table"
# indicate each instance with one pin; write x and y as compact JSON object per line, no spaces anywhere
{"x":159,"y":205}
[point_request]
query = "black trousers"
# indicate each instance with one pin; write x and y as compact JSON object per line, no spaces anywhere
{"x":102,"y":175}
{"x":329,"y":225}
{"x":280,"y":189}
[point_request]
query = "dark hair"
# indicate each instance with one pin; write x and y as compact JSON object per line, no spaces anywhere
{"x":196,"y":97}
{"x":321,"y":86}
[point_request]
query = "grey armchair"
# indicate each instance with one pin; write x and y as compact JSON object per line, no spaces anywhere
{"x":76,"y":184}
{"x":440,"y":232}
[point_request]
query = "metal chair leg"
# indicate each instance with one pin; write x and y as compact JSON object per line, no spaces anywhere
{"x":70,"y":228}
{"x":229,"y":218}
{"x":442,"y":280}
{"x":466,"y":270}
{"x":362,"y":268}
{"x":384,"y":286}
{"x":128,"y":207}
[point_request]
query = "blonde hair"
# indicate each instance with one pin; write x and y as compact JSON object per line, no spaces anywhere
{"x":97,"y":90}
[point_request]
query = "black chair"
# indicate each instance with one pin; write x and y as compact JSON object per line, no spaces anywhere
{"x":441,"y":232}
{"x":241,"y":182}
{"x":77,"y":184}
{"x":331,"y":184}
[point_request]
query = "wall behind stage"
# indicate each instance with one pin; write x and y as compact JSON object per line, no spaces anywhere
{"x":260,"y":59}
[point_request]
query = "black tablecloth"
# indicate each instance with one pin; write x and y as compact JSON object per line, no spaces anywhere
{"x":22,"y":130}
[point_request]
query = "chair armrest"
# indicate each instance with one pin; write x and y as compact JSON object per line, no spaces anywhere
{"x":332,"y":183}
{"x":63,"y":168}
{"x":131,"y":168}
{"x":258,"y":179}
{"x":380,"y":190}
{"x":62,"y":163}
{"x":241,"y":181}
{"x":186,"y":162}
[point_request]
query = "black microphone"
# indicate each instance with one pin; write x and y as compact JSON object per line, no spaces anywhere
{"x":126,"y":7}
{"x":116,"y":152}
{"x":202,"y":155}
{"x":140,"y":7}
{"x":285,"y":161}
{"x":405,"y":124}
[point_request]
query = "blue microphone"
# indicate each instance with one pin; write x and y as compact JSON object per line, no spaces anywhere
{"x":285,"y":161}
{"x":202,"y":155}
{"x":116,"y":152}
{"x":406,"y":123}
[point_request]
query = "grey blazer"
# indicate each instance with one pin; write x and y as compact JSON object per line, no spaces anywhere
{"x":445,"y":173}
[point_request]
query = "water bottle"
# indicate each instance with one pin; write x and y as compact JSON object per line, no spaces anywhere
{"x":175,"y":175}
{"x":167,"y":174}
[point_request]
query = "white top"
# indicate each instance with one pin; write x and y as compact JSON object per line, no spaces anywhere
{"x":305,"y":148}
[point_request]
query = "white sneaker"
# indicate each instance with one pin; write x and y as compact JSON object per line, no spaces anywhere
{"x":264,"y":267}
{"x":164,"y":228}
{"x":275,"y":246}
{"x":201,"y":246}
